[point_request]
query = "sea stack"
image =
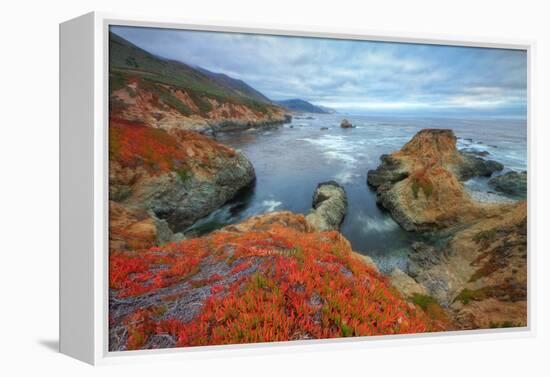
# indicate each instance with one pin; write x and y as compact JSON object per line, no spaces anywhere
{"x":346,"y":124}
{"x":421,"y":183}
{"x":329,"y":206}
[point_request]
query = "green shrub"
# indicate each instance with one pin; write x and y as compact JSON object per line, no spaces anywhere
{"x":184,"y":174}
{"x":485,"y":235}
{"x":423,"y":300}
{"x":467,"y":295}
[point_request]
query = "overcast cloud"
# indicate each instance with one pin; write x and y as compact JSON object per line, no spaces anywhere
{"x":357,"y":76}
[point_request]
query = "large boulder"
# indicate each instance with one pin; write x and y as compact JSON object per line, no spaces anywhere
{"x":329,"y":206}
{"x":420,"y":185}
{"x":512,"y":183}
{"x":346,"y":124}
{"x":406,"y":284}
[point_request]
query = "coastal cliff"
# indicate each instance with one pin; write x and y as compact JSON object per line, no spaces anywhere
{"x":179,"y":176}
{"x":175,"y":96}
{"x":475,"y":266}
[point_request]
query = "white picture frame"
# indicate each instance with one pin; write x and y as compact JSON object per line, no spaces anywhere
{"x":84,"y":191}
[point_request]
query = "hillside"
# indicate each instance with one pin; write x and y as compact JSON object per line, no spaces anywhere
{"x":270,"y":278}
{"x":299,"y":105}
{"x":170,"y":94}
{"x":238,"y":86}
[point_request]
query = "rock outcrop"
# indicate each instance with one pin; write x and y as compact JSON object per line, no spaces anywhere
{"x":346,"y":124}
{"x":421,"y":183}
{"x":136,"y":229}
{"x":179,"y":176}
{"x":512,"y":183}
{"x":476,"y":269}
{"x":329,"y":207}
{"x":481,"y":273}
{"x":406,"y":284}
{"x":474,"y":166}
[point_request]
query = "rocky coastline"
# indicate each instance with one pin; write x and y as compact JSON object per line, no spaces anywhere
{"x":281,"y":275}
{"x":175,"y":178}
{"x":141,"y":102}
{"x":472,"y":276}
{"x":265,"y":267}
{"x":476,"y":267}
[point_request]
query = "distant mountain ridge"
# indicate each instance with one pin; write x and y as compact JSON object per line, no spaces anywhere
{"x":125,"y":56}
{"x":236,"y":85}
{"x":300,"y":105}
{"x":170,"y":94}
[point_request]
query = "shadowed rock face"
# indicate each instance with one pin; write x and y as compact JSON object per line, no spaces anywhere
{"x":182,"y":202}
{"x":474,"y":166}
{"x":179,"y":176}
{"x":134,"y":229}
{"x":421,"y":183}
{"x":329,"y":206}
{"x":512,"y":183}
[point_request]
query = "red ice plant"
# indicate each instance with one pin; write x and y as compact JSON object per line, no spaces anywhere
{"x":306,"y":285}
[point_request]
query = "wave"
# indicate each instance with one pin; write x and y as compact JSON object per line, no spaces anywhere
{"x":271,"y":205}
{"x":335,"y":147}
{"x":371,"y":224}
{"x":346,"y":177}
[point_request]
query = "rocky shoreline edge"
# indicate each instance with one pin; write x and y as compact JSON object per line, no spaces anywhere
{"x":472,"y":276}
{"x":476,"y":266}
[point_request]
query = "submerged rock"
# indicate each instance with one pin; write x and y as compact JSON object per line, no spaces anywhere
{"x":346,"y":124}
{"x":475,"y":152}
{"x":329,"y":206}
{"x":511,"y":183}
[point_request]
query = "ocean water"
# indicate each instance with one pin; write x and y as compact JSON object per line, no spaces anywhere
{"x":291,"y":160}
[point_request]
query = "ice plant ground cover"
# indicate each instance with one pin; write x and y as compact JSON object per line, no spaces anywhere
{"x":280,"y":284}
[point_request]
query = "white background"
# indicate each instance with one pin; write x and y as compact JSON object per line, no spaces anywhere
{"x":29,"y":185}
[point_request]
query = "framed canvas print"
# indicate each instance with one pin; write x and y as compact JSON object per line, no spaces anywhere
{"x":226,"y":188}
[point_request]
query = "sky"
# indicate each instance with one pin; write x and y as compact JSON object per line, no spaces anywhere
{"x":363,"y":77}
